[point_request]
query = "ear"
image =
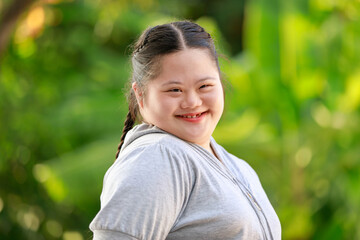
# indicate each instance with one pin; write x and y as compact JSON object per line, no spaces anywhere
{"x":138,"y":94}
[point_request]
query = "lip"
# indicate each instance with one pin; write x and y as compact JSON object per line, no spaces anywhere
{"x":192,"y":117}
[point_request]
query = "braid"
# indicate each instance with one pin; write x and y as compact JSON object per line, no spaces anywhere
{"x":142,"y":41}
{"x":133,"y":108}
{"x":128,"y":124}
{"x":130,"y":119}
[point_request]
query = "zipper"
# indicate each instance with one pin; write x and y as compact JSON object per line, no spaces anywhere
{"x":255,"y":203}
{"x":224,"y":170}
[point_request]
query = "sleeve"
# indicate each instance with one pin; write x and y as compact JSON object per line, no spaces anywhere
{"x":143,"y":195}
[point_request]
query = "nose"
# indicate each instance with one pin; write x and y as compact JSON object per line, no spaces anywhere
{"x":191,"y":100}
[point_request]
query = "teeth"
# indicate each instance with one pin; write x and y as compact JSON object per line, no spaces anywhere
{"x":195,"y":116}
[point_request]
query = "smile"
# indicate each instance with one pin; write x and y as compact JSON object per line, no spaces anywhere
{"x":192,"y":116}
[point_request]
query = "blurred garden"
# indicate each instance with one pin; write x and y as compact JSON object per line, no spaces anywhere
{"x":293,"y":95}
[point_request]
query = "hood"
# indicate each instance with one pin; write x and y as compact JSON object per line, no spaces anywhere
{"x":139,"y":131}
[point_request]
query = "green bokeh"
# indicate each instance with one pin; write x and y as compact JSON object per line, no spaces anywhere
{"x":292,"y":108}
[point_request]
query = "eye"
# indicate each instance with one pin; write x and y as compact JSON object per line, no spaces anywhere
{"x":174,"y":90}
{"x":205,"y":85}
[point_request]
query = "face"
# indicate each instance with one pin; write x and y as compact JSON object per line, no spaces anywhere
{"x":186,"y":99}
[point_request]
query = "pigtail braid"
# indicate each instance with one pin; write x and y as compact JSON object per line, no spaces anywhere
{"x":133,"y":108}
{"x":128,"y":124}
{"x":130,"y":120}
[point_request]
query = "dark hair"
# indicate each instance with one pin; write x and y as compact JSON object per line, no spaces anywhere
{"x":152,"y":44}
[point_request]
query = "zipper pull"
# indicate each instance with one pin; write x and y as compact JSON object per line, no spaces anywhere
{"x":253,"y":200}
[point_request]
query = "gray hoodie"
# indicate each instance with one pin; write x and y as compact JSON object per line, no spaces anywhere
{"x":162,"y":187}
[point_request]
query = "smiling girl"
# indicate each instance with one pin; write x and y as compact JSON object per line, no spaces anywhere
{"x":171,"y":180}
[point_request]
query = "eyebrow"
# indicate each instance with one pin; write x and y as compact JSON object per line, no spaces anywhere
{"x":200,"y":80}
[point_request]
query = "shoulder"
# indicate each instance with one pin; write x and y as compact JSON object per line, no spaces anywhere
{"x":150,"y":160}
{"x":149,"y":179}
{"x":245,"y":165}
{"x":237,"y":163}
{"x":155,"y":146}
{"x":152,"y":151}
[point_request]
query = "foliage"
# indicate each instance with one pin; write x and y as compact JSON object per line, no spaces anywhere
{"x":292,"y":108}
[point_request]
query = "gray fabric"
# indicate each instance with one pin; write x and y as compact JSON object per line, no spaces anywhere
{"x":162,"y":187}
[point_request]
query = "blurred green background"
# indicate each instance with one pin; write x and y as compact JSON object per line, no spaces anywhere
{"x":292,"y":110}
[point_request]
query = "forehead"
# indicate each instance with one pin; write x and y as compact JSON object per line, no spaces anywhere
{"x":186,"y":65}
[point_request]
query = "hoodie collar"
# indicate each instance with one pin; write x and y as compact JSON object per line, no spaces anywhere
{"x":139,"y":131}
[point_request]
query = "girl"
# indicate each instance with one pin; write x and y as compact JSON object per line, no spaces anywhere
{"x":171,"y":180}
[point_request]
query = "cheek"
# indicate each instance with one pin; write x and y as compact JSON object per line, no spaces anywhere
{"x":159,"y":105}
{"x":163,"y":108}
{"x":216,"y":99}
